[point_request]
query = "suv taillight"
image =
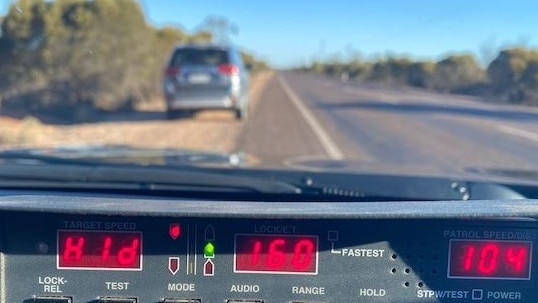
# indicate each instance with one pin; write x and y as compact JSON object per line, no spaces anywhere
{"x":228,"y":69}
{"x":171,"y":71}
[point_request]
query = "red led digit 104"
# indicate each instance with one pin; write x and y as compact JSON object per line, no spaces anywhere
{"x":286,"y":254}
{"x":99,"y":250}
{"x":490,"y":259}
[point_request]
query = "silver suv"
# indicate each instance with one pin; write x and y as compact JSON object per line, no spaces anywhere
{"x":202,"y":77}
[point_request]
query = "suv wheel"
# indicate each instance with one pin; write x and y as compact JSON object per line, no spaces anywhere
{"x":241,"y":113}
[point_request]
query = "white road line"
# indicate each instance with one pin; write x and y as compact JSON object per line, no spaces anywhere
{"x":518,"y":132}
{"x":328,"y":144}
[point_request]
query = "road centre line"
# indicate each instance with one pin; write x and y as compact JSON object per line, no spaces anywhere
{"x":518,"y":132}
{"x":330,"y":147}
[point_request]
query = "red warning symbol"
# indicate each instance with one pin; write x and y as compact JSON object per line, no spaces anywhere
{"x":174,"y":230}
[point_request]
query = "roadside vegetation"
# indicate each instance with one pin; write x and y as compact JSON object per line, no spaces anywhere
{"x":511,"y":77}
{"x":69,"y":58}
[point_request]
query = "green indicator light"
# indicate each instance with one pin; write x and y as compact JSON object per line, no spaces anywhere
{"x":209,"y":250}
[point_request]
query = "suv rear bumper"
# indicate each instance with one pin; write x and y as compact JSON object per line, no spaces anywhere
{"x":204,"y":99}
{"x":194,"y":104}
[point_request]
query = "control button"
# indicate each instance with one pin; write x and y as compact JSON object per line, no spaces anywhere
{"x":209,"y":268}
{"x":178,"y":300}
{"x":116,"y":300}
{"x":477,"y":294}
{"x":51,"y":299}
{"x":173,"y":265}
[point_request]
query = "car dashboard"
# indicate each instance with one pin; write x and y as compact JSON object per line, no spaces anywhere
{"x":76,"y":247}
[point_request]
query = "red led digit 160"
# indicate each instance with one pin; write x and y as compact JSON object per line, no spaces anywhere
{"x":490,"y":259}
{"x":99,"y":250}
{"x":288,"y":254}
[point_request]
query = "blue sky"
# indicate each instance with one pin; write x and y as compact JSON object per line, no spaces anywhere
{"x":291,"y":32}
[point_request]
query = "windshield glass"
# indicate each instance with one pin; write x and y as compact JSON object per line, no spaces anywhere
{"x":392,"y":86}
{"x":188,"y":56}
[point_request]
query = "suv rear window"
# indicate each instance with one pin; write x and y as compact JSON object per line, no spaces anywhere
{"x":197,"y":56}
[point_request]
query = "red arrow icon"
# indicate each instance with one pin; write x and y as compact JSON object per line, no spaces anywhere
{"x":173,"y":265}
{"x":174,"y":230}
{"x":209,"y":268}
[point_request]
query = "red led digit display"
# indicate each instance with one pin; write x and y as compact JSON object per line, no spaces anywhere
{"x":99,"y":250}
{"x":490,"y":259}
{"x":286,"y":254}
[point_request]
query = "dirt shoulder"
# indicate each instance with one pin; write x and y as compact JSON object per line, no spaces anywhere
{"x":210,"y":131}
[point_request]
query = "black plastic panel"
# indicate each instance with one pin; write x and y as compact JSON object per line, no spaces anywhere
{"x":377,"y":260}
{"x":366,"y":252}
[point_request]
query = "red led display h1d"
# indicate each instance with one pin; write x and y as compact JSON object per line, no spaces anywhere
{"x":490,"y":259}
{"x":99,"y":250}
{"x":287,"y":254}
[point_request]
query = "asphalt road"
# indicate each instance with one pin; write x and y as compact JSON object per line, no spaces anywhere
{"x":301,"y":117}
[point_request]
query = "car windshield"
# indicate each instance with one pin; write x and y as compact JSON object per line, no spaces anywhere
{"x":397,"y":87}
{"x":193,"y":56}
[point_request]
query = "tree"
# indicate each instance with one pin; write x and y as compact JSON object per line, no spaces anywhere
{"x":167,"y":37}
{"x":421,"y":74}
{"x":317,"y":67}
{"x":220,"y":29}
{"x":358,"y":69}
{"x":22,"y":34}
{"x":255,"y":64}
{"x":201,"y":37}
{"x":529,"y":77}
{"x":99,"y":52}
{"x":458,"y":72}
{"x":391,"y":70}
{"x":334,"y":68}
{"x":506,"y":70}
{"x":513,"y":75}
